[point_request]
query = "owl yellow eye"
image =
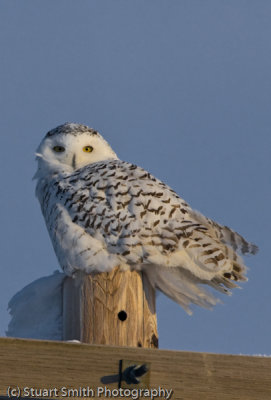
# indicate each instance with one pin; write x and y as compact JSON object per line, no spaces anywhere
{"x":59,"y":149}
{"x":88,"y":149}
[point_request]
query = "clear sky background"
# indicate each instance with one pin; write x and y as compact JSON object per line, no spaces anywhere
{"x":181,"y":88}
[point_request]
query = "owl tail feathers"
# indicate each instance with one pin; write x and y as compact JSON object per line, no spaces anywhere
{"x":226,"y":235}
{"x":181,"y":286}
{"x":236,"y":241}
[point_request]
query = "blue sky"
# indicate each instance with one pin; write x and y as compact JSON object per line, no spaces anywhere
{"x":181,"y":88}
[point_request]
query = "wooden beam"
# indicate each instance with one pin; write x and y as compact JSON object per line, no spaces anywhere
{"x":114,"y":308}
{"x":191,"y":376}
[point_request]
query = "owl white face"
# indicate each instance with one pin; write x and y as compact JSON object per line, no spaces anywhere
{"x":69,"y":151}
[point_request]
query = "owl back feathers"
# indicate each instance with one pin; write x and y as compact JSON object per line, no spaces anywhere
{"x":112,"y":213}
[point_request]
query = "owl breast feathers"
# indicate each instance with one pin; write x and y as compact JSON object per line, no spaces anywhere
{"x":102,"y":212}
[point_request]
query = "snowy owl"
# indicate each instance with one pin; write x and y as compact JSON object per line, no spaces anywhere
{"x":102,"y":212}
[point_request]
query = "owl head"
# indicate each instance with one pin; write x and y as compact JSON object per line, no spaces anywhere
{"x":69,"y":147}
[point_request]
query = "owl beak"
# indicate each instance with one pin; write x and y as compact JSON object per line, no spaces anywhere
{"x":74,"y":161}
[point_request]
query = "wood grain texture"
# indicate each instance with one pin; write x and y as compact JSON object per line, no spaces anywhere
{"x":192,"y":376}
{"x":92,"y":306}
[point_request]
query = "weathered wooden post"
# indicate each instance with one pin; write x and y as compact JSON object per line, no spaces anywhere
{"x":114,"y":308}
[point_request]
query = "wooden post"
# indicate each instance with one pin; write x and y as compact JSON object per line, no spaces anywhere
{"x":112,"y":308}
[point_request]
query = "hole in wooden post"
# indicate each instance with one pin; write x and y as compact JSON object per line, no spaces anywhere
{"x":122,"y":315}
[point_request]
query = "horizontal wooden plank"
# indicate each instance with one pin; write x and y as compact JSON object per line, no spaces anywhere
{"x":191,"y":376}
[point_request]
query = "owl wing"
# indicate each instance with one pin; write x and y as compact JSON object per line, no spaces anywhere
{"x":133,"y":219}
